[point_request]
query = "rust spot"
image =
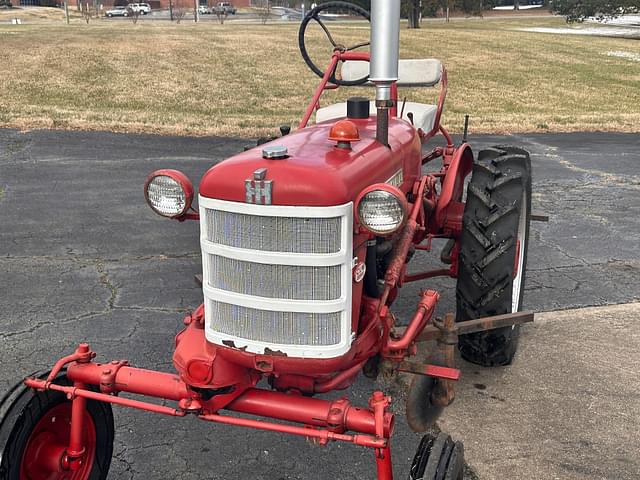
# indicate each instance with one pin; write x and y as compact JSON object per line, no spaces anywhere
{"x":264,"y":366}
{"x":275,"y":353}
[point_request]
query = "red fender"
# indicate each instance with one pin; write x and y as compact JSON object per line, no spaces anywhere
{"x":460,"y":164}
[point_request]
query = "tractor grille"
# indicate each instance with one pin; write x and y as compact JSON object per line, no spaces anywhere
{"x":277,"y":278}
{"x":274,"y":234}
{"x":274,"y":281}
{"x":285,"y":328}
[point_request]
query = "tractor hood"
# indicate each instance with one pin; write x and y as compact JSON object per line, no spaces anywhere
{"x":317,"y":172}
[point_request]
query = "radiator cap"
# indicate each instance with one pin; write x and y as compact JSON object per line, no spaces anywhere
{"x":275,"y":152}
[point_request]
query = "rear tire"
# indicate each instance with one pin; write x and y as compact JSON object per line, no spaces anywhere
{"x":493,"y":251}
{"x":31,"y":419}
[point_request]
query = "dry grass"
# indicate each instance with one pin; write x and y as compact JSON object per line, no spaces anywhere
{"x":37,"y":15}
{"x":244,"y":80}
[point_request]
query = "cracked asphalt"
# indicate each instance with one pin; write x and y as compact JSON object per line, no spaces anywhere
{"x":82,"y":258}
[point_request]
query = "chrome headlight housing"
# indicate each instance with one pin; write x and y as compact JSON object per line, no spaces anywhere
{"x":169,"y":193}
{"x":381,"y":209}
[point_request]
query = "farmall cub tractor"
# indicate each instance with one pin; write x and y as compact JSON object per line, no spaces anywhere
{"x":305,"y":245}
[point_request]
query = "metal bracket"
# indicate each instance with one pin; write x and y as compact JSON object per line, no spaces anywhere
{"x":108,"y":376}
{"x":432,"y":332}
{"x":435,"y":371}
{"x":539,"y":217}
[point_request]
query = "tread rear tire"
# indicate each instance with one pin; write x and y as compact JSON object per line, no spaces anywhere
{"x":495,"y":227}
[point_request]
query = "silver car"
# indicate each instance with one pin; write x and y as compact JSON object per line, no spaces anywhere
{"x":117,"y":12}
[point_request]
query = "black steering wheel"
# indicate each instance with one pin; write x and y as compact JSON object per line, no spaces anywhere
{"x":314,"y":14}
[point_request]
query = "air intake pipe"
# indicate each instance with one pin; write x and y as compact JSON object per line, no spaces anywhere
{"x":383,"y":70}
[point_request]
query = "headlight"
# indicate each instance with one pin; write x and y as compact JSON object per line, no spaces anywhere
{"x":381,"y":209}
{"x":169,"y":193}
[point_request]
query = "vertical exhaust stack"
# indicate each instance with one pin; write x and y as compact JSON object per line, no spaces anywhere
{"x":385,"y":47}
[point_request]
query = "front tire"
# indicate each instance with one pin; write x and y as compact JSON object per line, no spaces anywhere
{"x":493,"y":251}
{"x":35,"y":427}
{"x":438,"y":457}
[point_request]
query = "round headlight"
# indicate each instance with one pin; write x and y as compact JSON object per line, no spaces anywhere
{"x":381,"y":209}
{"x":169,"y":193}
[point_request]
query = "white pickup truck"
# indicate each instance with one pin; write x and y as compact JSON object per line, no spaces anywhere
{"x":142,"y":8}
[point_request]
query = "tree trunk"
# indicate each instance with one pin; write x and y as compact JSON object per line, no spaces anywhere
{"x":415,"y":7}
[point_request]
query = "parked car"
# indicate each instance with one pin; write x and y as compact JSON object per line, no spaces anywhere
{"x":120,"y":11}
{"x":142,"y":8}
{"x":203,"y":10}
{"x":225,"y":8}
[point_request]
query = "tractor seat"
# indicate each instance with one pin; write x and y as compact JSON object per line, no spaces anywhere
{"x":423,"y":115}
{"x":425,"y":72}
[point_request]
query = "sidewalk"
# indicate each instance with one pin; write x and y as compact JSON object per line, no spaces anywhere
{"x":568,"y":408}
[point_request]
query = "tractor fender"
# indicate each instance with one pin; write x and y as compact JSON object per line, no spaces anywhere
{"x":459,"y":167}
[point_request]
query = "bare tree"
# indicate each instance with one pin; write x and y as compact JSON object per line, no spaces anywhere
{"x":413,"y":13}
{"x":450,"y":5}
{"x":221,"y":13}
{"x":264,"y":11}
{"x":89,"y":11}
{"x":179,"y":9}
{"x":134,"y":15}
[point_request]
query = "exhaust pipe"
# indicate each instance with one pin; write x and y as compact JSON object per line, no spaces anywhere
{"x":383,"y":69}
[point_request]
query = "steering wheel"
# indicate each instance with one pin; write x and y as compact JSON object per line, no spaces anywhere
{"x":314,"y":14}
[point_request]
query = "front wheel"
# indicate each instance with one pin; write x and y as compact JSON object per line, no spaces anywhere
{"x":34,"y":433}
{"x":493,"y":251}
{"x":438,"y":457}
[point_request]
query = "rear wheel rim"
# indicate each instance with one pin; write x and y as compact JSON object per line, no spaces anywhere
{"x":521,"y":244}
{"x":47,"y":443}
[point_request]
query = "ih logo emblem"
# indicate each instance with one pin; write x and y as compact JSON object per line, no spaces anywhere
{"x":257,"y":189}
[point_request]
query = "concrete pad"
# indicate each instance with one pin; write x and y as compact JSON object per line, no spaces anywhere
{"x":569,"y":406}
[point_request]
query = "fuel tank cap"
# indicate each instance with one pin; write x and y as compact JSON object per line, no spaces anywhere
{"x":357,"y":107}
{"x":275,"y":152}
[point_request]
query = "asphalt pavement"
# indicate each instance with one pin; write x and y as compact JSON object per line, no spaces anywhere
{"x":83,"y":258}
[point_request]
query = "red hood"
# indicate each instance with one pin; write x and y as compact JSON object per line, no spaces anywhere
{"x":317,"y":173}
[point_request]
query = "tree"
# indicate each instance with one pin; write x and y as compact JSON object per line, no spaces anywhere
{"x":414,"y":10}
{"x":89,"y":11}
{"x":221,"y":13}
{"x":580,"y":10}
{"x":134,"y":14}
{"x":179,"y":9}
{"x":265,"y":10}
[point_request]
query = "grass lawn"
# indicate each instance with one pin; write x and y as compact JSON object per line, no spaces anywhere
{"x":246,"y":79}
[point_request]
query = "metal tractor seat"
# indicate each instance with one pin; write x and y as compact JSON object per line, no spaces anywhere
{"x":426,"y":72}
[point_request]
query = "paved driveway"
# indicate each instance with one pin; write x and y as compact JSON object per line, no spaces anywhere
{"x":83,"y":258}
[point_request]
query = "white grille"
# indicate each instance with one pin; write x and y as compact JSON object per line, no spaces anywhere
{"x":286,"y":328}
{"x":277,"y":277}
{"x":294,"y":282}
{"x":274,"y":234}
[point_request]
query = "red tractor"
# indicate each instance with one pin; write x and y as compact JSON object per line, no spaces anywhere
{"x":305,"y":245}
